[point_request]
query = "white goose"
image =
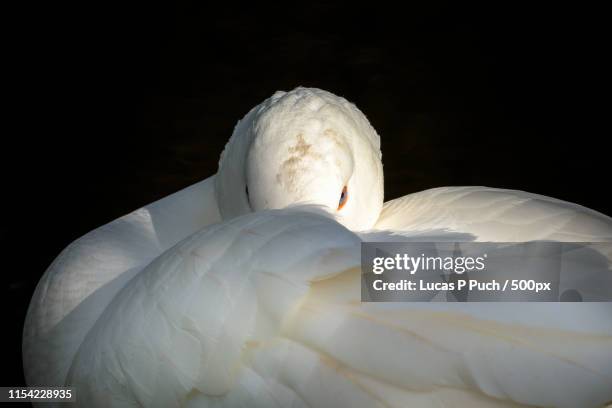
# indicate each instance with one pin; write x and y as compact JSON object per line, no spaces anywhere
{"x":243,"y":290}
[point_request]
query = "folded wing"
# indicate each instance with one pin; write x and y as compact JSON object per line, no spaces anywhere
{"x":265,"y":311}
{"x":85,"y":277}
{"x":491,"y":214}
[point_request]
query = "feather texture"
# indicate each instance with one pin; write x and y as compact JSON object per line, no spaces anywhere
{"x":264,"y":310}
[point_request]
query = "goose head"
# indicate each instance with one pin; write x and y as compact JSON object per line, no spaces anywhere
{"x":306,"y":146}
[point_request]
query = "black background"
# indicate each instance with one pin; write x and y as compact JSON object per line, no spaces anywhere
{"x":116,"y":106}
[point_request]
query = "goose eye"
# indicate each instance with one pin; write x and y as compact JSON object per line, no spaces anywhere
{"x":343,"y":198}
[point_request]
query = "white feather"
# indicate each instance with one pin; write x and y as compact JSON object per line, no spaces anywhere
{"x":215,"y":297}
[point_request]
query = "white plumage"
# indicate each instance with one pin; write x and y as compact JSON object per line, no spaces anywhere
{"x":243,"y":290}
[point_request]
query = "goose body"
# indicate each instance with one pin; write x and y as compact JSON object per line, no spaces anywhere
{"x":243,"y":290}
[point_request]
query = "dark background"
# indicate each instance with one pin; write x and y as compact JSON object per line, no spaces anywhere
{"x":118,"y":106}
